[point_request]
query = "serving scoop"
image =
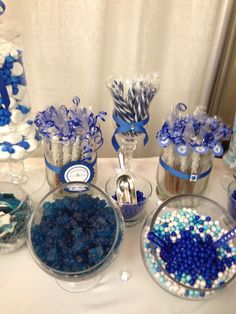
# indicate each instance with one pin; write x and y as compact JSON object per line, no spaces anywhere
{"x":125,"y":189}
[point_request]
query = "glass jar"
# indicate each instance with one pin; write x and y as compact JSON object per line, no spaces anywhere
{"x":15,"y":212}
{"x":182,"y":174}
{"x":18,"y":137}
{"x":232,"y":199}
{"x":66,"y":162}
{"x":82,"y":232}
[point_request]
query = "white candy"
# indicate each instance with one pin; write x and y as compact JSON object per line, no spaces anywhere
{"x":19,"y":153}
{"x":21,"y":93}
{"x":16,"y":116}
{"x":17,"y":69}
{"x":9,"y":90}
{"x":4,"y":155}
{"x":33,"y":145}
{"x":14,"y":53}
{"x":13,"y":138}
{"x":12,"y":103}
{"x":7,"y":129}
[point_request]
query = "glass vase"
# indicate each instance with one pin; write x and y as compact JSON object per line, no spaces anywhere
{"x":18,"y":137}
{"x":182,"y":174}
{"x":65,"y":162}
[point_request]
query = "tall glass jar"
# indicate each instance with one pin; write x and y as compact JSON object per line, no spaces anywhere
{"x":18,"y":137}
{"x":65,"y":162}
{"x":182,"y":174}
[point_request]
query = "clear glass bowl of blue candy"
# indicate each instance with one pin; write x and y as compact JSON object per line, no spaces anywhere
{"x":15,"y":211}
{"x":74,"y":234}
{"x":132,"y":213}
{"x":179,"y":248}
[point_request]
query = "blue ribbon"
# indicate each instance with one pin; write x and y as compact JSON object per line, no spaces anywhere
{"x":58,"y":169}
{"x":183,"y":175}
{"x":2,"y":7}
{"x":3,"y":92}
{"x":123,"y":126}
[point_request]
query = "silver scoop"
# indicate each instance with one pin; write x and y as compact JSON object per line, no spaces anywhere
{"x":125,"y":189}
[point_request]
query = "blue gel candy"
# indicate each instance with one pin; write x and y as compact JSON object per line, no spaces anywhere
{"x":74,"y":234}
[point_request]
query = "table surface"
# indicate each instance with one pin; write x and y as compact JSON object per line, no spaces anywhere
{"x":25,"y":288}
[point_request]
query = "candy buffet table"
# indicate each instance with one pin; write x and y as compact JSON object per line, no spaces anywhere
{"x":25,"y":288}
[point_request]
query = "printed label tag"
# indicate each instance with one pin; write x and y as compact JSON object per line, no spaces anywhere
{"x":77,"y":171}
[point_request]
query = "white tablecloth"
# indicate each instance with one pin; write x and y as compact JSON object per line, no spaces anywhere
{"x":26,"y":289}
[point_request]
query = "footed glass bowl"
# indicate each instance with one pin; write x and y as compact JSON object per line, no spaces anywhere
{"x":132,"y":214}
{"x":74,"y":235}
{"x":15,"y":211}
{"x":202,"y":217}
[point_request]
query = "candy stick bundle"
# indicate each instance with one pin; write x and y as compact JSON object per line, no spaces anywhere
{"x":71,"y":134}
{"x":189,"y":142}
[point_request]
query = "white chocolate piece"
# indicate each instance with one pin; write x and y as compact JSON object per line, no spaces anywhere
{"x":4,"y":155}
{"x":33,"y":145}
{"x":14,"y":53}
{"x":16,"y":116}
{"x":7,"y":129}
{"x":17,"y":69}
{"x":24,"y":129}
{"x":20,"y":152}
{"x":12,"y":103}
{"x":13,"y":138}
{"x":21,"y":93}
{"x":9,"y":90}
{"x":31,"y":134}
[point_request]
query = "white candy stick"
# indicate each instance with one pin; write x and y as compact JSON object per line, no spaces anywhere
{"x":76,"y":150}
{"x":67,"y":148}
{"x":56,"y":149}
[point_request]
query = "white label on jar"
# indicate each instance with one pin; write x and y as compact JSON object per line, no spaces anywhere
{"x":77,"y":173}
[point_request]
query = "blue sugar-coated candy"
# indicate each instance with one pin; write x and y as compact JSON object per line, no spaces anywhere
{"x":23,"y":109}
{"x":9,"y":59}
{"x":24,"y":144}
{"x":15,"y":91}
{"x":131,"y":211}
{"x":81,"y":229}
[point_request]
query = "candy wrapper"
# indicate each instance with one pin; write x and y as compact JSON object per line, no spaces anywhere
{"x":189,"y":142}
{"x":72,"y":137}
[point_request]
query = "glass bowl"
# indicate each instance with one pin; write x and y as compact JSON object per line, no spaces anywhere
{"x":15,"y":211}
{"x":178,"y":214}
{"x":74,"y":235}
{"x":132,"y":214}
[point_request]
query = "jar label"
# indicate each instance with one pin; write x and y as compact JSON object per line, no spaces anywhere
{"x":77,"y":171}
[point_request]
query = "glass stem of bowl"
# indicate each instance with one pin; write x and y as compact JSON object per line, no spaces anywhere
{"x":17,"y":172}
{"x":128,"y":146}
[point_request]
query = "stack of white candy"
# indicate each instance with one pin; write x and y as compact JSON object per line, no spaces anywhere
{"x":18,"y":136}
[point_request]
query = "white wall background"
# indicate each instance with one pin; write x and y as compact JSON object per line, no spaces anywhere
{"x":72,"y":46}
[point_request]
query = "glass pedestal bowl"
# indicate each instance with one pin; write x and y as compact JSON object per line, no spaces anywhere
{"x":15,"y":211}
{"x":74,"y":235}
{"x":133,"y":214}
{"x":188,"y":212}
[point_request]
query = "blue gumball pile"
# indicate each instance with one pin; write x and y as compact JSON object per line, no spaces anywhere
{"x":74,"y":234}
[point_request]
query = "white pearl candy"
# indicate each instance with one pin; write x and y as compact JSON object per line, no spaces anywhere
{"x":16,"y":116}
{"x":13,"y":138}
{"x":4,"y":155}
{"x":19,"y":153}
{"x":17,"y":69}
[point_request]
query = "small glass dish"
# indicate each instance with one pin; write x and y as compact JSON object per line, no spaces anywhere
{"x":75,"y":234}
{"x":153,"y":262}
{"x":15,"y":211}
{"x":133,"y":214}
